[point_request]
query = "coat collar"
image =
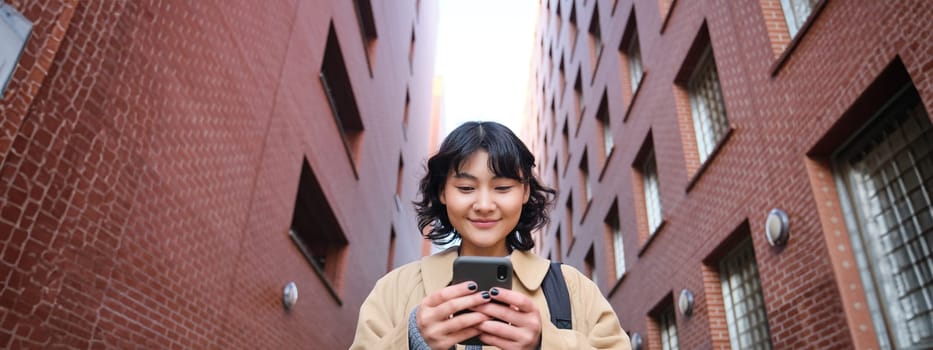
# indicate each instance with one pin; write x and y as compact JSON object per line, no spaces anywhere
{"x":437,"y":269}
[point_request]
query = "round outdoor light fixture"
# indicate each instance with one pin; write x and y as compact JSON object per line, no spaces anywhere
{"x":290,"y":295}
{"x":777,"y":227}
{"x":685,"y":302}
{"x":636,"y":341}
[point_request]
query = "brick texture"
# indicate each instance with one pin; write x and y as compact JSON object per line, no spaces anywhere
{"x":149,"y":159}
{"x":783,"y":96}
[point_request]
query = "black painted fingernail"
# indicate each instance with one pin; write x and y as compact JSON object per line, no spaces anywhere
{"x":471,"y":286}
{"x":485,"y":295}
{"x":494,"y":291}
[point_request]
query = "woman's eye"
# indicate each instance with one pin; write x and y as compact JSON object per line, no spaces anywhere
{"x":503,"y":188}
{"x":464,"y":188}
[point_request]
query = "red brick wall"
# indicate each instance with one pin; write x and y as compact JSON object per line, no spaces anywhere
{"x":782,"y":96}
{"x":149,"y":163}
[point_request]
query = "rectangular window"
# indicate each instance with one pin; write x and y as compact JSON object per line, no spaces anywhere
{"x":317,"y":232}
{"x":649,"y":173}
{"x":742,"y":299}
{"x":796,"y":13}
{"x":886,"y":175}
{"x":706,"y":106}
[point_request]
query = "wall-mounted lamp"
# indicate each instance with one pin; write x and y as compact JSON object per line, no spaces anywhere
{"x":289,"y":295}
{"x":685,"y":302}
{"x":636,"y":341}
{"x":777,"y":227}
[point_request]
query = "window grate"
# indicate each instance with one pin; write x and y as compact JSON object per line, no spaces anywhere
{"x":652,"y":194}
{"x":744,"y":304}
{"x":888,"y":176}
{"x":707,"y":107}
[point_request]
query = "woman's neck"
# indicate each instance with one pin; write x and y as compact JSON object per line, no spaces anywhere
{"x":468,"y":250}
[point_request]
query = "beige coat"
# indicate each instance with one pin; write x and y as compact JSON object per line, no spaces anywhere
{"x":383,"y":322}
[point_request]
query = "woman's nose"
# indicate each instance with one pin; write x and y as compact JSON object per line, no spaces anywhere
{"x":484,"y":202}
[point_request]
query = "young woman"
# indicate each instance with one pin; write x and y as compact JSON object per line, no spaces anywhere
{"x":480,"y":189}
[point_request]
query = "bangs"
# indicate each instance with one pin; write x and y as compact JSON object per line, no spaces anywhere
{"x":505,"y":158}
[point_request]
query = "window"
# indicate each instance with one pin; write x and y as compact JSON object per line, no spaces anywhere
{"x":555,"y":179}
{"x":742,"y":299}
{"x":706,"y":106}
{"x":667,"y":325}
{"x":557,"y":249}
{"x":406,"y":114}
{"x":337,"y":87}
{"x":578,"y":105}
{"x":573,"y":27}
{"x":568,"y":221}
{"x":411,"y":51}
{"x":390,"y":264}
{"x":317,"y":233}
{"x":596,"y":40}
{"x":614,"y":235}
{"x":566,"y":140}
{"x":796,"y":13}
{"x":398,"y":183}
{"x":886,"y":179}
{"x":585,"y":181}
{"x":633,"y":53}
{"x":563,"y":77}
{"x":602,"y":115}
{"x":364,"y":14}
{"x":589,"y":267}
{"x":649,"y":174}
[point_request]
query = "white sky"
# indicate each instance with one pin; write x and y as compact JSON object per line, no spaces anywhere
{"x":483,"y":55}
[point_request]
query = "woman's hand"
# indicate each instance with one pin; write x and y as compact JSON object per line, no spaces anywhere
{"x":518,"y":325}
{"x":436,"y":321}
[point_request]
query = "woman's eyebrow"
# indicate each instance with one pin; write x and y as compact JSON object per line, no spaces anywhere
{"x":463,"y":175}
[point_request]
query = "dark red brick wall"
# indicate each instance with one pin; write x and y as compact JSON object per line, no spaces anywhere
{"x":782,"y":95}
{"x":149,"y":161}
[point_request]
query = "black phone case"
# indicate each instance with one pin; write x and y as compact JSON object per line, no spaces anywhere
{"x":487,"y":272}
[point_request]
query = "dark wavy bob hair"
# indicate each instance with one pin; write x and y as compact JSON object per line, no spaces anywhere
{"x":508,"y":157}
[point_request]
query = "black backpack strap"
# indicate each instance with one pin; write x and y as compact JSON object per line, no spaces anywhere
{"x":558,"y":299}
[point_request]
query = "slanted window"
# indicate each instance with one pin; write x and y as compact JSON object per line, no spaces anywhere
{"x":337,"y":87}
{"x":573,"y":27}
{"x":585,"y":181}
{"x":649,"y":176}
{"x":614,"y":234}
{"x":706,"y":106}
{"x":886,"y":174}
{"x":578,"y":105}
{"x":317,"y":232}
{"x":589,"y":262}
{"x":796,"y":13}
{"x":364,"y":14}
{"x":632,"y":51}
{"x":568,"y":221}
{"x":602,"y":116}
{"x":390,"y":263}
{"x":398,"y":183}
{"x":742,"y":299}
{"x":663,"y":325}
{"x":596,"y":40}
{"x":566,"y":140}
{"x":667,"y":325}
{"x":411,"y":51}
{"x":406,"y":114}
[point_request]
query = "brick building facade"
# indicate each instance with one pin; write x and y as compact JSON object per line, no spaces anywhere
{"x":673,"y":128}
{"x":167,"y":167}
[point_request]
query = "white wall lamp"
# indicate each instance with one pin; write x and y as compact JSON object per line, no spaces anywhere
{"x":636,"y":341}
{"x":289,"y":295}
{"x":685,"y":302}
{"x":777,"y":227}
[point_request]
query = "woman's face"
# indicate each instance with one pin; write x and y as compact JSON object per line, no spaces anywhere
{"x":482,"y":207}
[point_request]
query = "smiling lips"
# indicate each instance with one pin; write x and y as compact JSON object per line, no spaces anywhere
{"x":483,"y":223}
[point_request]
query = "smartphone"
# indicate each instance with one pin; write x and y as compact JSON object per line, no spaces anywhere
{"x":487,"y":272}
